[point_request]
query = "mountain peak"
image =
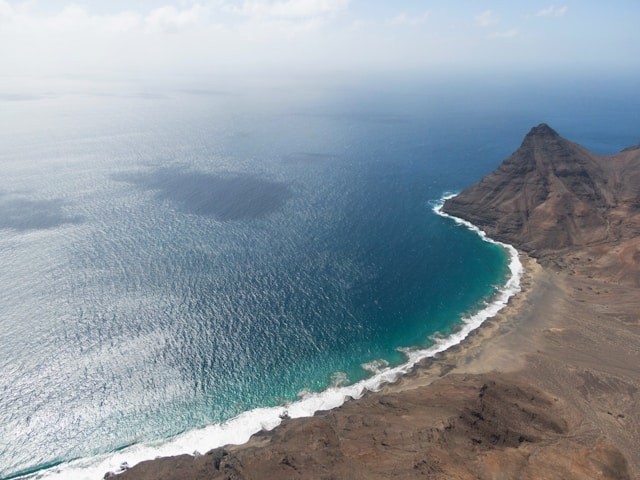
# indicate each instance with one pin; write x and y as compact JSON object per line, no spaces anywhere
{"x":548,"y":195}
{"x":552,"y":198}
{"x":542,"y":131}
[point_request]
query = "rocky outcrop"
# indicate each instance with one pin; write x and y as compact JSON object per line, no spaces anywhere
{"x":553,"y":196}
{"x":463,"y":427}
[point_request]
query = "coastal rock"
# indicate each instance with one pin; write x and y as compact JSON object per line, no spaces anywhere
{"x":186,"y":467}
{"x":463,"y":426}
{"x":553,"y":196}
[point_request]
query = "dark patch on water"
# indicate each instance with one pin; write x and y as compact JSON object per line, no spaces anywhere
{"x":23,"y":214}
{"x":224,"y":197}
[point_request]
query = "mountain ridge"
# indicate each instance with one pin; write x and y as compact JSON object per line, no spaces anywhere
{"x":553,"y":196}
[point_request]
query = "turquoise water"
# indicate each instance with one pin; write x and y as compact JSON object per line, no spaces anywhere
{"x":175,"y":260}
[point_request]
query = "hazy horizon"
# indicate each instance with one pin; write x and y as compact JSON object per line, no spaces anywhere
{"x":263,"y":39}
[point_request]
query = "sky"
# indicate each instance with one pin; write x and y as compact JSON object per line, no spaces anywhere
{"x":91,"y":37}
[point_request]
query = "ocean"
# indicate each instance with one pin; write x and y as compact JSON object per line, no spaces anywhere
{"x":183,"y":265}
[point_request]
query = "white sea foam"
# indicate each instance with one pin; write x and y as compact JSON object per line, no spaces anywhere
{"x":239,"y":429}
{"x":339,"y":379}
{"x":376,"y":366}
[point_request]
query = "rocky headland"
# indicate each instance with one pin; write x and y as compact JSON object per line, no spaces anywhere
{"x":549,"y":388}
{"x":558,"y":202}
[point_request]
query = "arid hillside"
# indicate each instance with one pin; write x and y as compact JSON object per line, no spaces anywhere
{"x":557,"y":201}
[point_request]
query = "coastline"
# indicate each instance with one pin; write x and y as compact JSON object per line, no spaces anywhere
{"x":540,"y":346}
{"x":548,"y":387}
{"x":463,"y":357}
{"x":240,"y":430}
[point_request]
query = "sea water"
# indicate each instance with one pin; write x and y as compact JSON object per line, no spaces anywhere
{"x":182,"y":266}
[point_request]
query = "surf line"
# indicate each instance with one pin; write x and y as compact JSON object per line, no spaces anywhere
{"x":238,"y":430}
{"x":516,"y":269}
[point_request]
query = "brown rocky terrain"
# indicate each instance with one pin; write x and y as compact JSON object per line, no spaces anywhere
{"x":549,"y":388}
{"x":557,"y":201}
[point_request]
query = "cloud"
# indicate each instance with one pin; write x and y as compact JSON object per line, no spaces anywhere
{"x":76,"y":19}
{"x":359,"y":24}
{"x":174,"y":35}
{"x":290,"y":8}
{"x":70,"y":19}
{"x":247,"y":37}
{"x":504,"y":34}
{"x":404,"y":19}
{"x":258,"y":30}
{"x":168,"y":19}
{"x":486,"y":19}
{"x":552,"y":11}
{"x":268,"y":21}
{"x":74,"y":39}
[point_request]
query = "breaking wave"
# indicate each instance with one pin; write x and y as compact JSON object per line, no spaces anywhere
{"x":239,"y":429}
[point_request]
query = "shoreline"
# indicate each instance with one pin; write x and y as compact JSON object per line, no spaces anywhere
{"x":238,"y":431}
{"x":459,"y":356}
{"x":414,"y":373}
{"x":535,"y":345}
{"x":545,"y":338}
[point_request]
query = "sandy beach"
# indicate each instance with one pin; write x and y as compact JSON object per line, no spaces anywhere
{"x":549,"y":388}
{"x":575,"y":338}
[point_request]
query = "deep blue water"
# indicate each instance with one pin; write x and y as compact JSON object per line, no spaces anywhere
{"x":172,"y":260}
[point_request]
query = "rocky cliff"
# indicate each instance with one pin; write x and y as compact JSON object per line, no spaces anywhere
{"x":552,"y":196}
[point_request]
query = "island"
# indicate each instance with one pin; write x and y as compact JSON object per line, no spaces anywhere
{"x":548,"y":388}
